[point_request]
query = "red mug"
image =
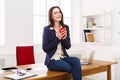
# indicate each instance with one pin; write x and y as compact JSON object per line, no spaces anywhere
{"x":62,"y":30}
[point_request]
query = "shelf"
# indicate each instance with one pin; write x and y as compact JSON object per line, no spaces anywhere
{"x":97,"y":24}
{"x":92,"y":28}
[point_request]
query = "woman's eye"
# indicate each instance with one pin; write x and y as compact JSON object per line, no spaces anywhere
{"x":55,"y":13}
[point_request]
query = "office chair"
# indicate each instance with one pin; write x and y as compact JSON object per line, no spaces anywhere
{"x":25,"y":55}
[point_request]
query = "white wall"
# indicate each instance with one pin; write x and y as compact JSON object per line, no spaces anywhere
{"x":75,"y":21}
{"x":18,"y":26}
{"x":2,"y":21}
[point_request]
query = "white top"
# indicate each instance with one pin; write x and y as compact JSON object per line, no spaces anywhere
{"x":59,"y":53}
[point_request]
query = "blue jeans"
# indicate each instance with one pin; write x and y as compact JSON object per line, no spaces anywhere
{"x":68,"y":64}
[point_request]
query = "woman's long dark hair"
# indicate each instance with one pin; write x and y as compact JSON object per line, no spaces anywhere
{"x":51,"y":22}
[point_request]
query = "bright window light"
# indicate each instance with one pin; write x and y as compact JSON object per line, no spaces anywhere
{"x":40,"y":14}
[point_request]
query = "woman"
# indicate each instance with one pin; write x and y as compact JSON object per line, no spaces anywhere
{"x":56,"y":39}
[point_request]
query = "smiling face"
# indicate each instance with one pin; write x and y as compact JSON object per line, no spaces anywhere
{"x":56,"y":15}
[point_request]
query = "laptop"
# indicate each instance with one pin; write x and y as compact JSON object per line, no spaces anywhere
{"x":90,"y":59}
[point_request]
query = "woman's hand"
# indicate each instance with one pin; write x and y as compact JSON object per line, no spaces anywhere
{"x":59,"y":35}
{"x":63,"y":33}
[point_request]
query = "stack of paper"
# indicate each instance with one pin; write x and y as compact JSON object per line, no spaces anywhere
{"x":1,"y":71}
{"x":16,"y":76}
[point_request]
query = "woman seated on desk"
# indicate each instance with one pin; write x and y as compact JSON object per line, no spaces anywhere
{"x":56,"y":39}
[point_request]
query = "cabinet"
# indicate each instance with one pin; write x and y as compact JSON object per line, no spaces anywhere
{"x":96,"y":28}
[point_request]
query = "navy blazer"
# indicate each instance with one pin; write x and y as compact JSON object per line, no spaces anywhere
{"x":50,"y":42}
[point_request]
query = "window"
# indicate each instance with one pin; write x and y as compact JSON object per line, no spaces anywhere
{"x":40,"y":12}
{"x":2,"y":22}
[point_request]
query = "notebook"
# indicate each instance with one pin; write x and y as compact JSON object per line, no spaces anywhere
{"x":90,"y":59}
{"x":15,"y":76}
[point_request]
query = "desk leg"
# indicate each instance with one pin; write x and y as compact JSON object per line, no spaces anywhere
{"x":109,"y":73}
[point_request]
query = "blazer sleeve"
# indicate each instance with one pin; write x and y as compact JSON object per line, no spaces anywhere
{"x":49,"y":42}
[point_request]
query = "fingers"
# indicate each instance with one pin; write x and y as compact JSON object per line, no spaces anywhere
{"x":63,"y":33}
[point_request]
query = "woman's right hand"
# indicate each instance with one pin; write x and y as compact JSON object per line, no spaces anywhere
{"x":59,"y":35}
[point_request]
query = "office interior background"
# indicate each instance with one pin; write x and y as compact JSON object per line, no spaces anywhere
{"x":22,"y":21}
